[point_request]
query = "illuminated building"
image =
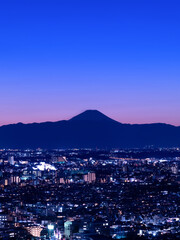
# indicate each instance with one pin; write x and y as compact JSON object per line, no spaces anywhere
{"x":11,"y":160}
{"x":68,"y":229}
{"x":35,"y":231}
{"x":90,"y":177}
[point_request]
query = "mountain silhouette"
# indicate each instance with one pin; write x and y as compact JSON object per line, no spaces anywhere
{"x":89,"y":129}
{"x":91,"y":115}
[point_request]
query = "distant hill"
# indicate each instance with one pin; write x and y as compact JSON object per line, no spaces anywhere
{"x":89,"y":129}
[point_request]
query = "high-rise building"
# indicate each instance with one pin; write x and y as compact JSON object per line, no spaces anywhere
{"x":90,"y":177}
{"x":174,"y":169}
{"x":15,"y":179}
{"x":11,"y":160}
{"x":68,"y":229}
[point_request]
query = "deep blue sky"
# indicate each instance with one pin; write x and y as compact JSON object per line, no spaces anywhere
{"x":58,"y":58}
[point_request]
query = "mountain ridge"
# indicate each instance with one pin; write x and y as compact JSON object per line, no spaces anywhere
{"x":88,"y":129}
{"x":90,"y":110}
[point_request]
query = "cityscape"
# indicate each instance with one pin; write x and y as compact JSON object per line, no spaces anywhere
{"x":89,"y":194}
{"x":89,"y":119}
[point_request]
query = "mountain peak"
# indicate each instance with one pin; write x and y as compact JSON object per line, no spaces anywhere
{"x":91,"y":115}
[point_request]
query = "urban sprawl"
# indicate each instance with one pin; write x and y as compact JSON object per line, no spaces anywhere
{"x":90,"y":194}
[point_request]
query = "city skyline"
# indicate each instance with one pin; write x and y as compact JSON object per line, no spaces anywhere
{"x":60,"y":58}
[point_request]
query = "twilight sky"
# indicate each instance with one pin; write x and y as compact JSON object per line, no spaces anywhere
{"x":61,"y":57}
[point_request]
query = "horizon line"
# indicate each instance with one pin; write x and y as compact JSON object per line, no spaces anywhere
{"x":49,"y":121}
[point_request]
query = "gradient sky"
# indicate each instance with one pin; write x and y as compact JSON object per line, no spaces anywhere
{"x":61,"y":57}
